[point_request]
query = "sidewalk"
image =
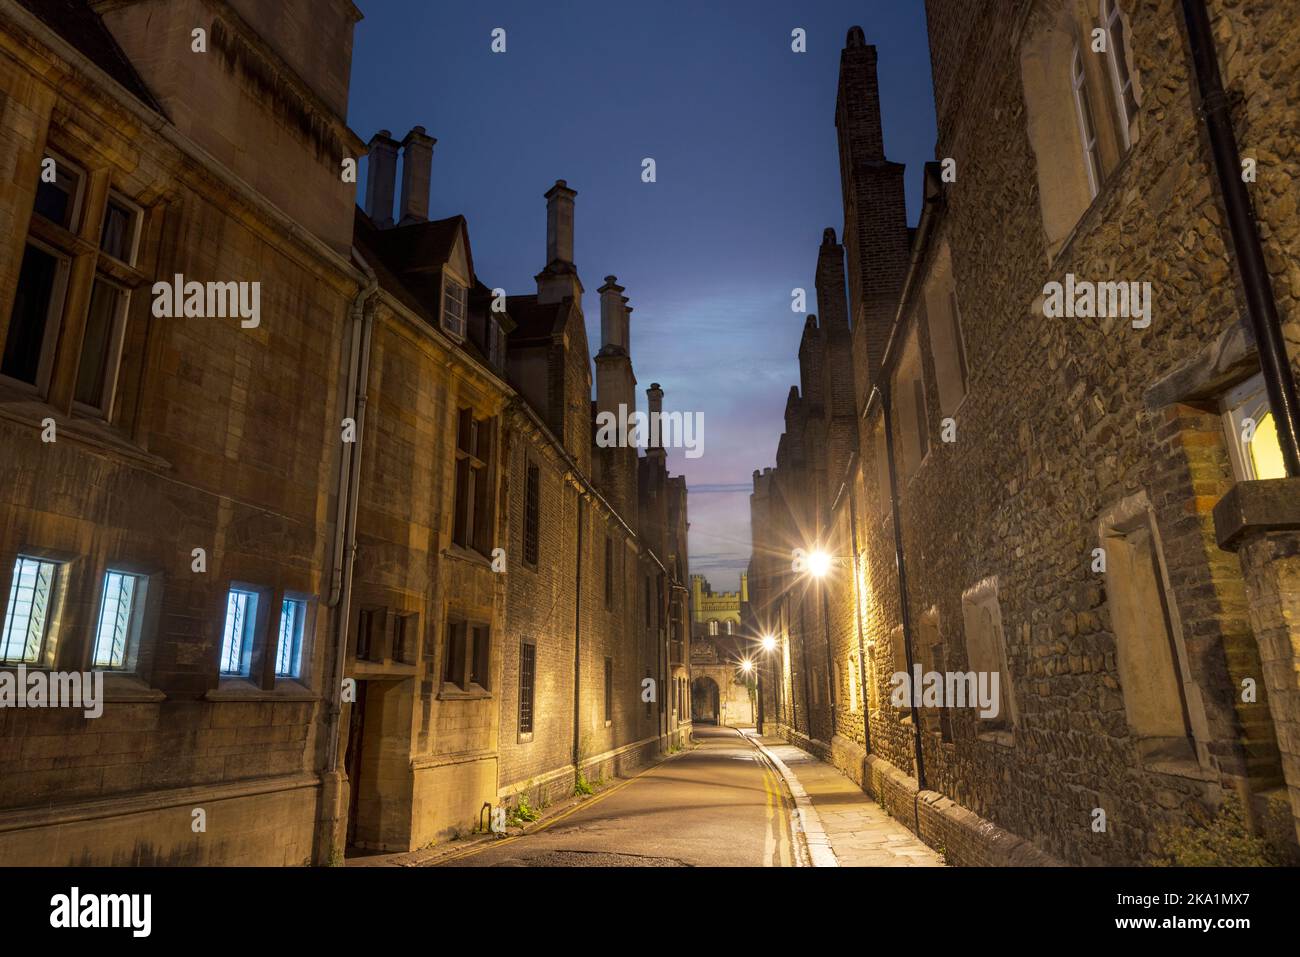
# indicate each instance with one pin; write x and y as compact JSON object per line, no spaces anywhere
{"x":843,"y":816}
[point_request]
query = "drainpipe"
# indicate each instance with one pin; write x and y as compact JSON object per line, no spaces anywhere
{"x":886,"y":407}
{"x":345,"y":540}
{"x":857,"y":616}
{"x":577,"y":646}
{"x":1256,"y":287}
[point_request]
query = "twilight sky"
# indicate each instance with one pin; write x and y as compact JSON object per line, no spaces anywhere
{"x":742,"y":131}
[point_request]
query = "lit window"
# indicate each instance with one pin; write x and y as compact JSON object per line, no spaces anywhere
{"x":27,"y":616}
{"x":1113,"y":22}
{"x":237,"y":639}
{"x":472,"y":527}
{"x":1087,"y":128}
{"x":527,"y":673}
{"x":1252,"y":432}
{"x":454,"y":296}
{"x":288,"y":658}
{"x":119,"y":619}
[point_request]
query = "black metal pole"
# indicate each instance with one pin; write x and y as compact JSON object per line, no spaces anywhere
{"x":1257,"y":288}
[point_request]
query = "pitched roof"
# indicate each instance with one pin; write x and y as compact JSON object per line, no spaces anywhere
{"x":84,"y":29}
{"x":534,"y":320}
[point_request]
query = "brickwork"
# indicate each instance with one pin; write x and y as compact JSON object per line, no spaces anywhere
{"x":1070,"y":435}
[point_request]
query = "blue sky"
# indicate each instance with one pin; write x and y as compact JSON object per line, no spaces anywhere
{"x":742,"y":131}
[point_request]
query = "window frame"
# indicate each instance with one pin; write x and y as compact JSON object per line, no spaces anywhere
{"x":53,"y":603}
{"x":527,"y":667}
{"x":251,"y":633}
{"x":1109,"y":15}
{"x":449,"y":324}
{"x":79,"y":195}
{"x":113,"y":350}
{"x":135,"y":626}
{"x":532,"y":533}
{"x":1247,"y":399}
{"x":302,"y":639}
{"x":1086,"y":122}
{"x":609,"y":690}
{"x":54,"y":314}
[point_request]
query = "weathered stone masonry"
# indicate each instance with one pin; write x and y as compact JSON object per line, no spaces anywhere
{"x":1123,"y":689}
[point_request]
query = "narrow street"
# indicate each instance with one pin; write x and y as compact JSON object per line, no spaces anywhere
{"x":718,"y":805}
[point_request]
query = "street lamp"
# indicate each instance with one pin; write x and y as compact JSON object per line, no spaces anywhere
{"x":769,"y":643}
{"x":747,"y":666}
{"x":819,"y":563}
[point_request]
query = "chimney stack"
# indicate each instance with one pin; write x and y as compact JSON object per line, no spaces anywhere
{"x":655,"y":403}
{"x":613,"y":321}
{"x":559,"y":224}
{"x":417,"y":165}
{"x":380,"y":177}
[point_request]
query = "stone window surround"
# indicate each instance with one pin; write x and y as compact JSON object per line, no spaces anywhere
{"x":1123,"y":517}
{"x":985,"y":593}
{"x":81,"y":239}
{"x":120,"y":685}
{"x":449,"y":691}
{"x":261,"y":683}
{"x":1046,"y":52}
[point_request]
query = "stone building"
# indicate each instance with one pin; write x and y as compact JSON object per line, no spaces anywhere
{"x":721,"y":690}
{"x":1091,"y":506}
{"x":307,"y":518}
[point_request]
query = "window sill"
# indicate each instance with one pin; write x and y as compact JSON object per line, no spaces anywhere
{"x":609,"y":723}
{"x":241,"y":689}
{"x":470,"y":555}
{"x":453,"y":693}
{"x":28,"y":409}
{"x":525,"y":738}
{"x":1003,"y":739}
{"x":1188,"y":770}
{"x":122,"y":688}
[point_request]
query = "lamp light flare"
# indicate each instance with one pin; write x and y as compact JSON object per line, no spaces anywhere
{"x":819,"y":563}
{"x":747,"y":666}
{"x":769,"y":643}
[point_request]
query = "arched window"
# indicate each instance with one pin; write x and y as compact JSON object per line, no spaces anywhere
{"x":1112,"y":20}
{"x":1087,"y":128}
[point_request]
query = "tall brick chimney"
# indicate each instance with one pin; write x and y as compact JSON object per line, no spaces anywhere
{"x":381,"y":175}
{"x":614,"y":317}
{"x":417,"y":165}
{"x":559,"y":280}
{"x":655,"y":405}
{"x":875,"y":213}
{"x":615,"y":387}
{"x":559,"y":224}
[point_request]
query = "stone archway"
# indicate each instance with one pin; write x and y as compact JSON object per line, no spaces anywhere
{"x":705,"y":700}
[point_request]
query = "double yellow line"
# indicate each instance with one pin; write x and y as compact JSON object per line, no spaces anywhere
{"x":778,"y":819}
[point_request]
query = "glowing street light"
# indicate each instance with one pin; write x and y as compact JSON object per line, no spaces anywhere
{"x":747,"y":666}
{"x":769,"y":643}
{"x":819,"y":563}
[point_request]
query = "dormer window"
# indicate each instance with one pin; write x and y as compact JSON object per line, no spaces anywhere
{"x":454,"y":298}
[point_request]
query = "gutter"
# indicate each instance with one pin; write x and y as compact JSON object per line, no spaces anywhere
{"x":1256,"y":287}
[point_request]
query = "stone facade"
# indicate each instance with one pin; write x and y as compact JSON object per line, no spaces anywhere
{"x":342,"y":662}
{"x":1055,"y":478}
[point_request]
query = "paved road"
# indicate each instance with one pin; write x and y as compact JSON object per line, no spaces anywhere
{"x":718,"y":804}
